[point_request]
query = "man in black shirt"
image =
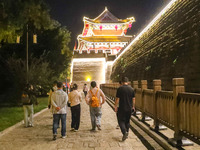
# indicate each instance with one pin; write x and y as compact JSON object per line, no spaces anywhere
{"x":125,"y":97}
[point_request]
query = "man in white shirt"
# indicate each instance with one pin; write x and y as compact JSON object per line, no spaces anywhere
{"x":59,"y":100}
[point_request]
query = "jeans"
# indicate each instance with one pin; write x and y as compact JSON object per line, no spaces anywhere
{"x":56,"y":119}
{"x":28,"y":115}
{"x":76,"y":112}
{"x":123,"y":118}
{"x":95,"y":114}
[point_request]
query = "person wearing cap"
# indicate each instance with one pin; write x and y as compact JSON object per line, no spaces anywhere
{"x":124,"y":106}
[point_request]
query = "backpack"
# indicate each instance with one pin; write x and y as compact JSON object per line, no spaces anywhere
{"x":95,"y":100}
{"x":25,"y":98}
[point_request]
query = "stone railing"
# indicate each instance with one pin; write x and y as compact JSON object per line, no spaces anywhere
{"x":177,"y":109}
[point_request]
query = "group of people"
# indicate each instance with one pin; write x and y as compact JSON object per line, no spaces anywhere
{"x":95,"y":98}
{"x":59,"y":100}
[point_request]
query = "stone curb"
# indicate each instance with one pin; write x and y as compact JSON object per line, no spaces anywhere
{"x":19,"y":123}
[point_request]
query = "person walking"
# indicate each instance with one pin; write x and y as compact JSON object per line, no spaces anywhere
{"x":75,"y":100}
{"x":53,"y":89}
{"x":59,"y":100}
{"x":28,"y":99}
{"x":85,"y":89}
{"x":124,"y":105}
{"x":95,"y":99}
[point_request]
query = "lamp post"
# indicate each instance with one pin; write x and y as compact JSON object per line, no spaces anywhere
{"x":27,"y":50}
{"x":27,"y":79}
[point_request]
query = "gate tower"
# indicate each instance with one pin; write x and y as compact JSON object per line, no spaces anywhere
{"x":101,"y":40}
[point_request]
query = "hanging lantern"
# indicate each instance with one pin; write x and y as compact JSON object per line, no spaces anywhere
{"x":87,"y":25}
{"x":130,"y":25}
{"x":18,"y":39}
{"x":116,"y":27}
{"x":34,"y":38}
{"x":125,"y":31}
{"x":100,"y":27}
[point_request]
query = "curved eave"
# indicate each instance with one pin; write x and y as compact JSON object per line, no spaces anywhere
{"x":93,"y":21}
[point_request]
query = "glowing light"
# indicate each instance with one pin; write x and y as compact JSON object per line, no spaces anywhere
{"x":72,"y":65}
{"x":88,"y":78}
{"x":103,"y":60}
{"x":88,"y":59}
{"x":147,"y":27}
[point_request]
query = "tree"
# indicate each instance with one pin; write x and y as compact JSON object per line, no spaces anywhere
{"x":48,"y":59}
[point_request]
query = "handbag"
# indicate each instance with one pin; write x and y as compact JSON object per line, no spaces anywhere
{"x":25,"y":98}
{"x":68,"y":104}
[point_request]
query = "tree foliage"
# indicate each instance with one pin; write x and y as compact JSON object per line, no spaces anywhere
{"x":48,"y":59}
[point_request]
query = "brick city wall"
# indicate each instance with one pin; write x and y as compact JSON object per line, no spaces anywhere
{"x":169,"y":49}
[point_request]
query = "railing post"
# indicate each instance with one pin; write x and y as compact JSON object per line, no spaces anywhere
{"x":143,"y":87}
{"x":135,"y":84}
{"x":156,"y":87}
{"x":178,"y":86}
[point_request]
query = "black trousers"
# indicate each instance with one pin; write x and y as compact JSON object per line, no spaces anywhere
{"x":85,"y":93}
{"x":123,"y":118}
{"x":76,"y":112}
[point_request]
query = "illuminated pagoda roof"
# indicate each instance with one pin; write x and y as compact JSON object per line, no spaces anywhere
{"x":106,"y":38}
{"x":106,"y":32}
{"x":107,"y":17}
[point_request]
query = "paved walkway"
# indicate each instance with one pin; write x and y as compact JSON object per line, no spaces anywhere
{"x":39,"y":137}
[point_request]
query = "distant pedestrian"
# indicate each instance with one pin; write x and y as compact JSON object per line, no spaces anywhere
{"x":28,"y":99}
{"x":125,"y":97}
{"x":71,"y":87}
{"x":53,"y":89}
{"x":93,"y":99}
{"x":85,"y":89}
{"x":75,"y":100}
{"x":59,"y":100}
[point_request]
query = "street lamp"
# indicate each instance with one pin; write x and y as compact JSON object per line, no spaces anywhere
{"x":27,"y":46}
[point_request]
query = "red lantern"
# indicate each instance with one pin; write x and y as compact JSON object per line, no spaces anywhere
{"x":125,"y":31}
{"x":100,"y":27}
{"x":116,"y":27}
{"x":87,"y":25}
{"x":130,"y":25}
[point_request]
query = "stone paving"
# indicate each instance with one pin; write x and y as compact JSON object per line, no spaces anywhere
{"x":39,"y":137}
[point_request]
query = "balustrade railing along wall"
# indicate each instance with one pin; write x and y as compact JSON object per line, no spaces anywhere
{"x":177,"y":109}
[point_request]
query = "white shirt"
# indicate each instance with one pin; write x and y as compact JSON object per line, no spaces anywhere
{"x":74,"y":98}
{"x":59,"y":98}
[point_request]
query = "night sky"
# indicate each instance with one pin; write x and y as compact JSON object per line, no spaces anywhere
{"x":70,"y":13}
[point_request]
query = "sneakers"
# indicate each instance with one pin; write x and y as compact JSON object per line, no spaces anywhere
{"x":63,"y":137}
{"x":92,"y":130}
{"x":98,"y":127}
{"x":75,"y":130}
{"x":72,"y":129}
{"x":125,"y":136}
{"x":54,"y":137}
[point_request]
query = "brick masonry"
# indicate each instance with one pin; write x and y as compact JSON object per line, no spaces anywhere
{"x":169,"y":49}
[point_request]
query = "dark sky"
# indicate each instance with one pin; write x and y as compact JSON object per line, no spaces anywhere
{"x":70,"y":13}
